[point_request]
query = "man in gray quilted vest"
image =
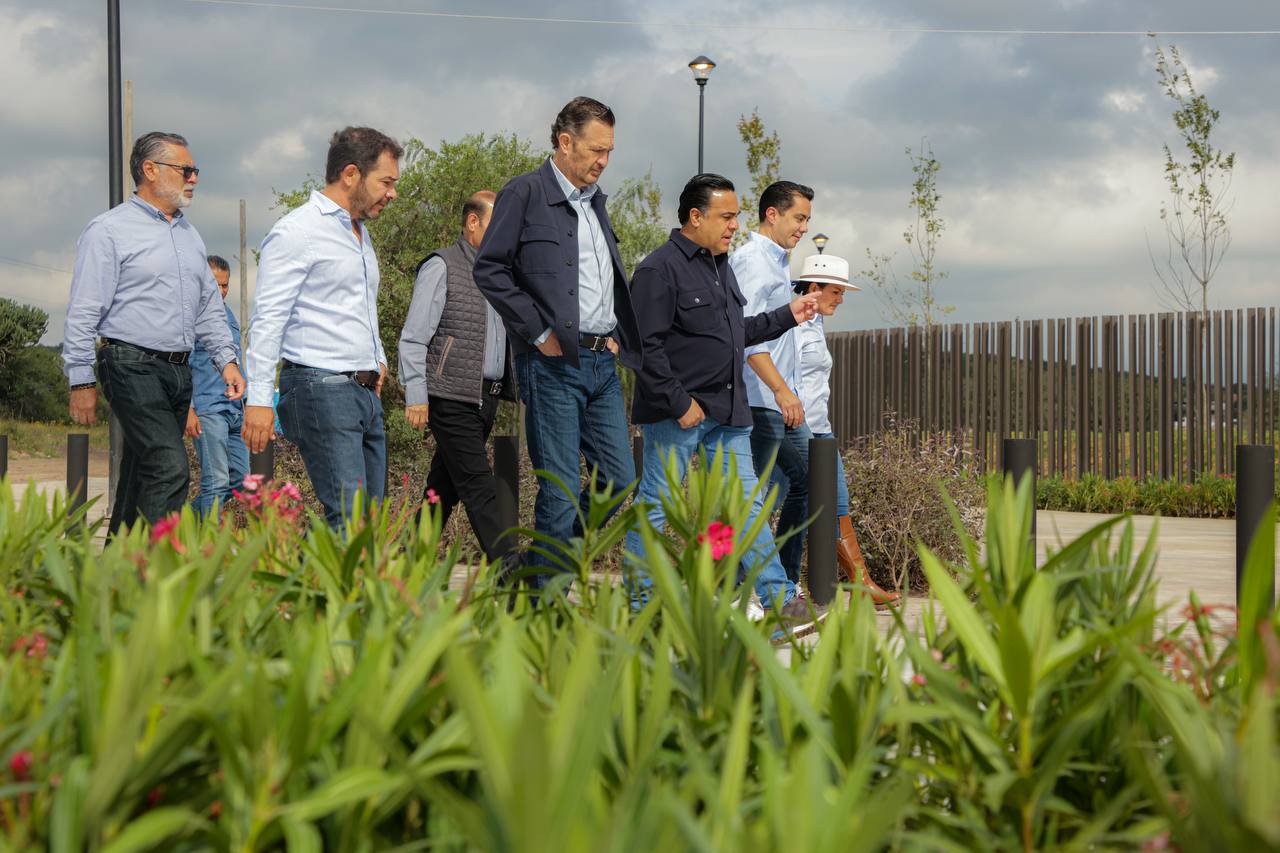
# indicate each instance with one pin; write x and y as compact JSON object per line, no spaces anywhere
{"x":455,"y":367}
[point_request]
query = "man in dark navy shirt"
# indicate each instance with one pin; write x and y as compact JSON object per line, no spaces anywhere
{"x":689,"y":391}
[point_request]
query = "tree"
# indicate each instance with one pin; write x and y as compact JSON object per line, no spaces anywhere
{"x":764,"y":163}
{"x":32,"y":387}
{"x":636,"y":213}
{"x":1197,"y":233}
{"x":915,"y":303}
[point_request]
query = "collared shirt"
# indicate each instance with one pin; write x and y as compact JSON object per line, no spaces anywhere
{"x":595,"y":264}
{"x":815,"y":375}
{"x":429,"y":293}
{"x":142,"y":278}
{"x":317,"y":297}
{"x":208,"y":390}
{"x":764,"y":274}
{"x":689,"y":309}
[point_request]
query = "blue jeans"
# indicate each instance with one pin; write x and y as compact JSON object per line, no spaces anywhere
{"x":842,"y":483}
{"x":660,"y":440}
{"x":770,"y":435}
{"x":337,"y":425}
{"x":224,"y":460}
{"x":571,"y":412}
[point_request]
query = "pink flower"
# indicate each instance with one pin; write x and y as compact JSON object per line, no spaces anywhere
{"x":36,"y":646}
{"x":720,"y":536}
{"x":21,"y":763}
{"x":290,"y":491}
{"x":919,"y":680}
{"x":253,"y":482}
{"x":432,"y":497}
{"x":167,"y":528}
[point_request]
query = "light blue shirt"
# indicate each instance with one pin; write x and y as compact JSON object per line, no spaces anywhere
{"x":430,"y":290}
{"x":143,"y":279}
{"x":595,"y":263}
{"x":815,"y":375}
{"x":317,"y":297}
{"x":764,"y":275}
{"x":208,"y":391}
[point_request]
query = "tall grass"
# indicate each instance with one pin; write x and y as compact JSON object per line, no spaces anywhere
{"x":202,"y":687}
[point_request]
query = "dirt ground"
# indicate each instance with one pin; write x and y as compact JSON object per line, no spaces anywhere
{"x":23,"y":468}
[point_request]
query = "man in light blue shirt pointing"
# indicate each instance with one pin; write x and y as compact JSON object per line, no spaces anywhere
{"x":316,"y":314}
{"x":779,"y":431}
{"x":142,"y":284}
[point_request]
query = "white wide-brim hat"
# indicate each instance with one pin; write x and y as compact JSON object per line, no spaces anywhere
{"x":826,"y":269}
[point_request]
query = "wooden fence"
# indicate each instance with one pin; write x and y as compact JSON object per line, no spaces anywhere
{"x":1168,"y":395}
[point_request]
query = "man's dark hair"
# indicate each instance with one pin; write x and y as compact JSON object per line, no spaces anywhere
{"x":219,"y":263}
{"x":782,"y":196}
{"x":358,"y":146}
{"x":576,"y":115}
{"x":477,"y":204}
{"x":151,"y":146}
{"x":697,"y":193}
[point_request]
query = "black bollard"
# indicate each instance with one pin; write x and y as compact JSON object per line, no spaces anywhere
{"x":264,"y":463}
{"x":637,"y":456}
{"x":77,"y":470}
{"x":1255,"y":489}
{"x":822,"y":508}
{"x":506,"y":469}
{"x":1019,"y":461}
{"x":4,"y":456}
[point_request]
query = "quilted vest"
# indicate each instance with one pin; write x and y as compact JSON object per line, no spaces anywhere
{"x":455,"y":356}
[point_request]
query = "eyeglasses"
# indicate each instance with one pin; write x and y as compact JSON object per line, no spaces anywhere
{"x":187,"y":171}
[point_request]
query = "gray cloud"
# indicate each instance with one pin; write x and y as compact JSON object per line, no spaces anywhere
{"x":1050,"y":145}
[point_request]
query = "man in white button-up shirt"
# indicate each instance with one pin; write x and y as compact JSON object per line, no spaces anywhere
{"x":779,"y":432}
{"x":316,"y":310}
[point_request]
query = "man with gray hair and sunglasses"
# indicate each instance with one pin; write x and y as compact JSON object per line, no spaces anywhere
{"x":143,"y":285}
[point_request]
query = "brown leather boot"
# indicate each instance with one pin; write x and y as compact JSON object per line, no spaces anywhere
{"x":854,"y":567}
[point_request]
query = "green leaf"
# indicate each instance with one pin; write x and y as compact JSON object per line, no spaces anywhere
{"x":148,"y":831}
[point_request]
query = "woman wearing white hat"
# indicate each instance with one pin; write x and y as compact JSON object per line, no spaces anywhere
{"x":828,"y":276}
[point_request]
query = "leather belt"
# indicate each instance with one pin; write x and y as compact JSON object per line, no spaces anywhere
{"x":365,"y":378}
{"x":171,"y":357}
{"x":595,"y":343}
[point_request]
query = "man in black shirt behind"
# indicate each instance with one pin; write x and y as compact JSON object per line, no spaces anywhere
{"x":689,"y":392}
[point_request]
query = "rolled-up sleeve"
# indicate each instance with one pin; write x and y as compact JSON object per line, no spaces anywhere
{"x":212,"y":331}
{"x":430,"y":290}
{"x":93,"y":288}
{"x":284,"y":261}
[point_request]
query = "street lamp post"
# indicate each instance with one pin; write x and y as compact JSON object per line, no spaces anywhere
{"x":701,"y":67}
{"x":820,"y":240}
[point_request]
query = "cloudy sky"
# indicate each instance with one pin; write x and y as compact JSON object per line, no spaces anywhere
{"x":1050,"y":144}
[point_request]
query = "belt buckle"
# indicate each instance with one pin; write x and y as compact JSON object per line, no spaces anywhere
{"x":495,"y":388}
{"x":598,"y":343}
{"x":175,"y":357}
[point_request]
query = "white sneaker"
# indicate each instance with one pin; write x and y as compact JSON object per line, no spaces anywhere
{"x":754,"y":611}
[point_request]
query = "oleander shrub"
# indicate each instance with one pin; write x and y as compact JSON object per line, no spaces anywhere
{"x":896,"y":501}
{"x":200,"y":686}
{"x":1209,"y":496}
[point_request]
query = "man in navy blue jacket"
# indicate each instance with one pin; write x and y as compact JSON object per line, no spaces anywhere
{"x":690,"y":393}
{"x":549,"y":265}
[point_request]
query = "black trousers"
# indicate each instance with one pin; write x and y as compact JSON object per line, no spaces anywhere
{"x":150,"y":397}
{"x":460,"y":469}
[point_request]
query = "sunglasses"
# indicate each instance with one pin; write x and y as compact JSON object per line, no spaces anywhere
{"x":187,"y":171}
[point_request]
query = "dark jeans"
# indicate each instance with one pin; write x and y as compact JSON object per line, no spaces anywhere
{"x":337,"y":425}
{"x":769,"y":435}
{"x":460,"y":468}
{"x":572,"y":412}
{"x":150,"y":397}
